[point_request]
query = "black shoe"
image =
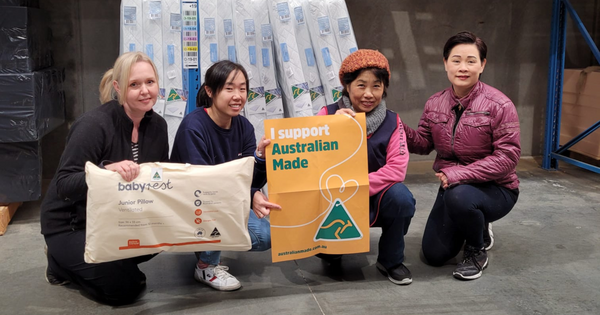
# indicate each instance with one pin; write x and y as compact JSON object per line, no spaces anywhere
{"x":53,"y":279}
{"x":472,"y":265}
{"x":50,"y":276}
{"x":330,"y":258}
{"x":488,"y":237}
{"x":399,"y":275}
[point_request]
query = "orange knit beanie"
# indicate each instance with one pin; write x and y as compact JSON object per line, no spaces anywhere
{"x":364,"y":58}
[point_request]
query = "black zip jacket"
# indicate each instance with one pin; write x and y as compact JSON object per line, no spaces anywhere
{"x":101,"y":136}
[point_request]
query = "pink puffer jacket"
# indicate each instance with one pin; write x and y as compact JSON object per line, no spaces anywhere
{"x":484,"y":146}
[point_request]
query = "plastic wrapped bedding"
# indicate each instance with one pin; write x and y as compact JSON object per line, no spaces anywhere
{"x":293,"y":84}
{"x":266,"y":63}
{"x":307,"y":56}
{"x":209,"y":35}
{"x":326,"y":49}
{"x":342,"y":27}
{"x":245,"y":32}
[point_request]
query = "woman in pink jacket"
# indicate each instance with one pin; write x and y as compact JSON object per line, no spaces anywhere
{"x":365,"y":75}
{"x":474,"y":129}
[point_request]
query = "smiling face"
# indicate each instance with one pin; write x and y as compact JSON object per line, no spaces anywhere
{"x":229,"y":101}
{"x":464,"y":67}
{"x":365,"y":92}
{"x":142,"y":90}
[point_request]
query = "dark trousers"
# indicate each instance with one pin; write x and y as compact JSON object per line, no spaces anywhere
{"x":459,"y":216}
{"x":392,"y":209}
{"x":115,"y":283}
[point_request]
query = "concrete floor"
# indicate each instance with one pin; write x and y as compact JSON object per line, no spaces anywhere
{"x":546,"y":260}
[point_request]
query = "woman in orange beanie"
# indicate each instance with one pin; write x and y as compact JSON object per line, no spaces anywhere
{"x":365,"y":75}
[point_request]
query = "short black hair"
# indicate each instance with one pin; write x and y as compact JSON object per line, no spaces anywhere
{"x":216,"y":78}
{"x":465,"y":37}
{"x":379,"y":73}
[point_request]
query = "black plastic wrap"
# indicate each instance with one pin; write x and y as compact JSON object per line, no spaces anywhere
{"x":31,"y":104}
{"x":25,"y":40}
{"x":20,"y":172}
{"x":23,"y":3}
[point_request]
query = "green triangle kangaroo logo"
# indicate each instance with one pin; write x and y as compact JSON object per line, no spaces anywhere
{"x":336,"y":94}
{"x":296,"y":91}
{"x":338,"y":225}
{"x":156,"y":176}
{"x":173,"y":96}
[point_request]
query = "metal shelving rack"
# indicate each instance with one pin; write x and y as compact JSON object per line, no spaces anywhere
{"x":553,"y":152}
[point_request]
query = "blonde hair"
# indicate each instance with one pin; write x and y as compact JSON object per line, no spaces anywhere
{"x":120,"y":73}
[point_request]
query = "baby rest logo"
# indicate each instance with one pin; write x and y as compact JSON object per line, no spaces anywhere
{"x":338,"y":225}
{"x":133,"y":186}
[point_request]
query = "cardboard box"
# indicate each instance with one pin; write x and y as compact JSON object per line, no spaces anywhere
{"x":580,"y":110}
{"x":6,"y":213}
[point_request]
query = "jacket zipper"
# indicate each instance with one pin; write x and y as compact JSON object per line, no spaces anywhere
{"x":474,"y":113}
{"x":456,"y":119}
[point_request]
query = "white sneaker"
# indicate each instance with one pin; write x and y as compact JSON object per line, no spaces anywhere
{"x":217,"y":277}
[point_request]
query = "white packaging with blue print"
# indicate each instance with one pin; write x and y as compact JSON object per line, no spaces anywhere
{"x":294,"y":86}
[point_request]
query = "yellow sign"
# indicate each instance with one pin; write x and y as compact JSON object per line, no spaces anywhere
{"x":317,"y":171}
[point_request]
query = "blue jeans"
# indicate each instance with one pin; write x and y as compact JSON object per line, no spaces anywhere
{"x":260,"y":235}
{"x":459,"y":216}
{"x":392,"y":209}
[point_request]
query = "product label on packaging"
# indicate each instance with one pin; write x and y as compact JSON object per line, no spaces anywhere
{"x":252,"y":53}
{"x":284,"y":52}
{"x":249,"y":28}
{"x":210,"y":27}
{"x":231,"y":54}
{"x":228,"y":26}
{"x":266,"y":32}
{"x":175,"y":22}
{"x":324,"y":26}
{"x":129,"y":15}
{"x":266,"y":58}
{"x":154,"y":10}
{"x":150,"y":51}
{"x":344,"y":26}
{"x":214,"y":52}
{"x":299,"y":13}
{"x":171,"y":54}
{"x":326,"y":56}
{"x":310,"y":57}
{"x":283,"y":9}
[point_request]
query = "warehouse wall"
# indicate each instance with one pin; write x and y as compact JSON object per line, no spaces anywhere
{"x":410,"y":33}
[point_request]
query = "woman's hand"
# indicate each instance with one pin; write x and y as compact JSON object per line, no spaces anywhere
{"x":261,"y":205}
{"x":129,"y":170}
{"x":260,"y":149}
{"x":443,"y":179}
{"x":346,"y":111}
